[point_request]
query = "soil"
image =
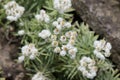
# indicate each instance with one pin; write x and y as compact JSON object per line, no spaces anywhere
{"x":8,"y":52}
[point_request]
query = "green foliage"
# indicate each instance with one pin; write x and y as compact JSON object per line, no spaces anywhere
{"x":54,"y":66}
{"x":108,"y":75}
{"x":31,"y":6}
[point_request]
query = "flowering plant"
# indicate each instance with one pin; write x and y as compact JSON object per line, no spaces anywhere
{"x":57,"y":48}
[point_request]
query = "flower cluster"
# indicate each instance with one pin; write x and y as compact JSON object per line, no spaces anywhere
{"x":42,"y":16}
{"x":60,"y":24}
{"x":87,"y":67}
{"x":102,"y":49}
{"x":39,"y":76}
{"x":13,"y":11}
{"x":29,"y":51}
{"x":62,"y":5}
{"x":66,"y":40}
{"x":69,"y":47}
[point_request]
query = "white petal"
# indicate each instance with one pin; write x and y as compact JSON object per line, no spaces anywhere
{"x":63,"y":53}
{"x":99,"y":55}
{"x":21,"y":59}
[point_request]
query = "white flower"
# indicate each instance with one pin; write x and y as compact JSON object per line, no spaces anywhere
{"x":12,"y":18}
{"x":25,"y":50}
{"x":102,"y":49}
{"x":68,"y":34}
{"x":107,"y":49}
{"x":85,"y":59}
{"x":21,"y":59}
{"x":85,"y":73}
{"x":44,"y":34}
{"x":21,"y":32}
{"x":55,"y":43}
{"x":91,"y":75}
{"x":59,"y":27}
{"x":57,"y":50}
{"x":62,"y":5}
{"x":13,"y":11}
{"x":63,"y":53}
{"x":55,"y":23}
{"x":63,"y":38}
{"x":108,"y":46}
{"x":72,"y":38}
{"x":60,"y":19}
{"x":68,"y":25}
{"x":71,"y":34}
{"x":39,"y":76}
{"x":60,"y":23}
{"x":74,"y":49}
{"x":107,"y":54}
{"x":64,"y":47}
{"x":72,"y":52}
{"x":32,"y":57}
{"x":99,"y":55}
{"x":81,"y":68}
{"x":87,"y":67}
{"x":29,"y":50}
{"x":69,"y":46}
{"x":11,"y":3}
{"x":72,"y":42}
{"x":74,"y":33}
{"x":56,"y":31}
{"x":99,"y":44}
{"x":42,"y":16}
{"x":53,"y":37}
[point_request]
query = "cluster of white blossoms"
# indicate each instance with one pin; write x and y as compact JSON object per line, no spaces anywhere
{"x":39,"y":76}
{"x":13,"y":10}
{"x":28,"y":50}
{"x":42,"y":16}
{"x":44,"y":34}
{"x":69,"y":47}
{"x":87,"y":67}
{"x":102,"y":49}
{"x":60,"y":24}
{"x":62,"y":5}
{"x":66,"y":41}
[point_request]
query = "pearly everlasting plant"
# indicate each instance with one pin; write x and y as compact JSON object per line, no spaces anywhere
{"x":62,"y":5}
{"x":67,"y":49}
{"x":102,"y":49}
{"x":87,"y":67}
{"x":60,"y":23}
{"x":44,"y":34}
{"x":13,"y":11}
{"x":54,"y":46}
{"x":42,"y":16}
{"x":28,"y":51}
